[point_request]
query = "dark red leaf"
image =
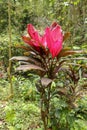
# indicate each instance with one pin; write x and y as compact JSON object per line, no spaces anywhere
{"x":66,"y":35}
{"x":28,"y":59}
{"x":29,"y":67}
{"x":66,"y":52}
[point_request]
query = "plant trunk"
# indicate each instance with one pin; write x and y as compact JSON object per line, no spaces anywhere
{"x":45,"y":101}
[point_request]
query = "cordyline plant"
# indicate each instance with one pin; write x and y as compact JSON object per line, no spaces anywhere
{"x":72,"y":91}
{"x":46,"y":54}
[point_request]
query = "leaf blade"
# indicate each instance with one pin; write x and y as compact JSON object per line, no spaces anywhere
{"x":45,"y":81}
{"x":29,"y":67}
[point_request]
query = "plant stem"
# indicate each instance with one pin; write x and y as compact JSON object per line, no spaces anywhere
{"x":45,"y":101}
{"x":44,"y":113}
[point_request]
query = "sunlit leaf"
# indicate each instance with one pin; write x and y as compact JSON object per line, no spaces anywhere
{"x":24,"y":63}
{"x":45,"y":81}
{"x":29,"y":67}
{"x":27,"y":53}
{"x":25,"y":58}
{"x":62,"y":91}
{"x":20,"y":58}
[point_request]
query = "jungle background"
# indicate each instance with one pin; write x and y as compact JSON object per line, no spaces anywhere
{"x":21,"y":111}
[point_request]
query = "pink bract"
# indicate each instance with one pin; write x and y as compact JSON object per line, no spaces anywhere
{"x":34,"y":39}
{"x":54,"y":38}
{"x":34,"y":34}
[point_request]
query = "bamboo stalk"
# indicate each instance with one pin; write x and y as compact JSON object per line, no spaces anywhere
{"x":10,"y":42}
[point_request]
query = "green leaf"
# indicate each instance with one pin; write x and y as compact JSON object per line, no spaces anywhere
{"x":12,"y":128}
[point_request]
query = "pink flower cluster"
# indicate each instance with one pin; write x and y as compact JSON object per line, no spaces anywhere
{"x":51,"y":40}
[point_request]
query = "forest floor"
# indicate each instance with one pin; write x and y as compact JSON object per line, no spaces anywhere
{"x":18,"y":114}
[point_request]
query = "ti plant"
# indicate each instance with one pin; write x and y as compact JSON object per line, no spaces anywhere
{"x":46,"y":57}
{"x":74,"y":86}
{"x":68,"y":95}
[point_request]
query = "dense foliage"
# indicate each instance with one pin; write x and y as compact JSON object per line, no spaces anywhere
{"x":68,"y":109}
